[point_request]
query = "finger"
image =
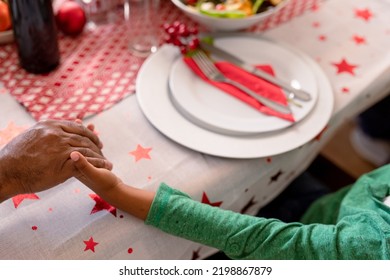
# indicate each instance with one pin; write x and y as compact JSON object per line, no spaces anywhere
{"x":87,"y":152}
{"x":79,"y":129}
{"x":83,"y":166}
{"x":91,"y":127}
{"x":78,"y":141}
{"x":100,"y":163}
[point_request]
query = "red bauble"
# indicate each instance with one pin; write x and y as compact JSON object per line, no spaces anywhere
{"x":71,"y":18}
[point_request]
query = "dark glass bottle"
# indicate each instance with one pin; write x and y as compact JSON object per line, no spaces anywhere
{"x":35,"y":34}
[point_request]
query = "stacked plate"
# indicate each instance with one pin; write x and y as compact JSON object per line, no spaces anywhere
{"x":202,"y":117}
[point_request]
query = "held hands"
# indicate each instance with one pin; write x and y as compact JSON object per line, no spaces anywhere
{"x":108,"y":186}
{"x":38,"y":159}
{"x":101,"y":181}
{"x":51,"y":152}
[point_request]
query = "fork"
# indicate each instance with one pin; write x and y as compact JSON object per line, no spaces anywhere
{"x":208,"y":68}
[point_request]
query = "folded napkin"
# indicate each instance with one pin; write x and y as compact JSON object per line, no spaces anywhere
{"x":254,"y":83}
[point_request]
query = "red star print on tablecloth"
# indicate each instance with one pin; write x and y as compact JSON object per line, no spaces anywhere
{"x":250,"y":203}
{"x":141,"y":153}
{"x":319,"y":135}
{"x":195,"y":254}
{"x":322,"y":38}
{"x":19,"y":198}
{"x":206,"y":200}
{"x":344,"y":66}
{"x":315,"y":7}
{"x":275,"y":177}
{"x":10,"y":132}
{"x":316,"y":24}
{"x":364,"y":14}
{"x":101,"y":205}
{"x":90,"y":244}
{"x":359,"y":40}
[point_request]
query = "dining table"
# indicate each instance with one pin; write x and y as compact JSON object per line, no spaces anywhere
{"x":101,"y":82}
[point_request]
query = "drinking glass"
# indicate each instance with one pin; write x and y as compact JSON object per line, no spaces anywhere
{"x":98,"y":11}
{"x":142,"y":21}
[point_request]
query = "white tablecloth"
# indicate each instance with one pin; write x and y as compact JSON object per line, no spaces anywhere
{"x":349,"y":39}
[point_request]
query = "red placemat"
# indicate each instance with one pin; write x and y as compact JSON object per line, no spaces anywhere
{"x":97,"y":70}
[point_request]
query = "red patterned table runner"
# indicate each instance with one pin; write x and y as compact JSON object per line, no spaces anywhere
{"x":97,"y":70}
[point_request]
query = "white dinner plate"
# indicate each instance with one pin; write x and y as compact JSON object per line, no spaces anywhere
{"x":154,"y":99}
{"x":213,"y":109}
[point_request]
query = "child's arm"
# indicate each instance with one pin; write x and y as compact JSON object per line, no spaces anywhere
{"x":107,"y":185}
{"x":242,"y":236}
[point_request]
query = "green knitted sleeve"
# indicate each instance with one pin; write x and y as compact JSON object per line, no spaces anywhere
{"x":247,"y":237}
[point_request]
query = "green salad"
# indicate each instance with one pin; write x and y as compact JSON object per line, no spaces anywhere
{"x":231,"y":8}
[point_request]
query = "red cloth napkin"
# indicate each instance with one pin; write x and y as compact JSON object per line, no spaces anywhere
{"x":254,"y":83}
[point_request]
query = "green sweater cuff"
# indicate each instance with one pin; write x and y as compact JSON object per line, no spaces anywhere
{"x":160,"y":204}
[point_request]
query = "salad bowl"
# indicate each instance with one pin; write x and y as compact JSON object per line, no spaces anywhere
{"x":226,"y":19}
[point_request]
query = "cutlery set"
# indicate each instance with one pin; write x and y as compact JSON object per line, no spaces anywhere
{"x":211,"y":71}
{"x":206,"y":65}
{"x":186,"y":104}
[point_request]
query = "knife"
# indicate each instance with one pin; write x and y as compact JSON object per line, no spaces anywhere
{"x":294,"y":93}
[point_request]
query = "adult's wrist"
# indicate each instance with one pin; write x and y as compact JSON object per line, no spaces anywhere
{"x":9,"y":183}
{"x":4,"y":181}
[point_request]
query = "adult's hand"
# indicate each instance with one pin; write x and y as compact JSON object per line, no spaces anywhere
{"x":38,"y":159}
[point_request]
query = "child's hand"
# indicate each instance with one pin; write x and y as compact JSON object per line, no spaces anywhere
{"x":100,"y":180}
{"x":107,"y":185}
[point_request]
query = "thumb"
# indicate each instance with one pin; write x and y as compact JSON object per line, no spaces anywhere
{"x":83,"y":166}
{"x":99,"y":180}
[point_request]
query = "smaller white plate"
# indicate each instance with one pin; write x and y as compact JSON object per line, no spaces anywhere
{"x":155,"y":103}
{"x":215,"y":110}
